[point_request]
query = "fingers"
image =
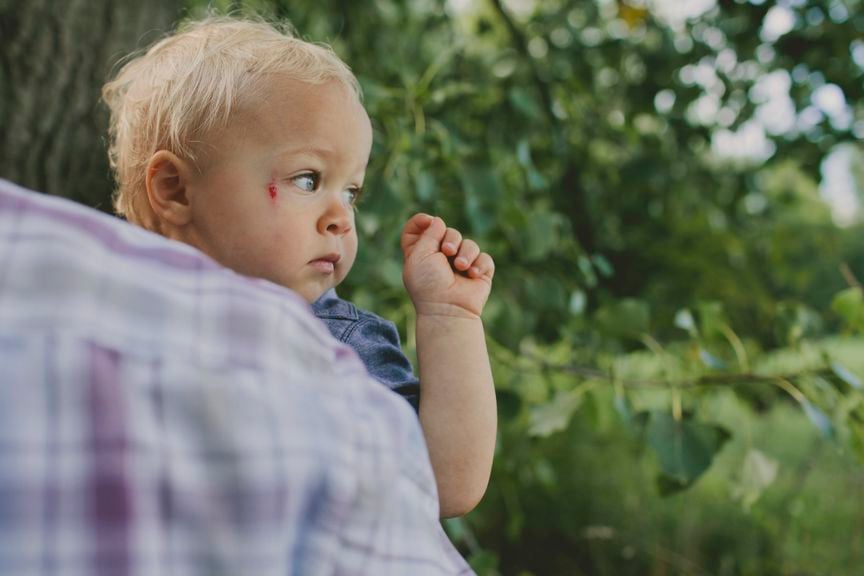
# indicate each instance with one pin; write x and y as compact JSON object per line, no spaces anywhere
{"x":423,"y":232}
{"x":451,"y":243}
{"x":415,"y":226}
{"x":430,"y":234}
{"x":483,"y":267}
{"x":468,"y":253}
{"x":467,"y":257}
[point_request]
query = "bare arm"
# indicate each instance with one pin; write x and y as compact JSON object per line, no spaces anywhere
{"x":457,"y":407}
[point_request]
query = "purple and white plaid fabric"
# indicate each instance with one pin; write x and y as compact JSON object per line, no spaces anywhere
{"x":160,"y":414}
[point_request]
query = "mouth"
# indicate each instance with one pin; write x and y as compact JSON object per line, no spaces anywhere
{"x":326,"y":264}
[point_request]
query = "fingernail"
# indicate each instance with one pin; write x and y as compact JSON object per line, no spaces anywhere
{"x":461,"y":261}
{"x":449,"y":246}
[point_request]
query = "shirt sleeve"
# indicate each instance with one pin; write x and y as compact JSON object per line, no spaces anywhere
{"x":376,"y":341}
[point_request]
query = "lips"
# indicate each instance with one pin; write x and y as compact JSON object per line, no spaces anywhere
{"x":326,"y":264}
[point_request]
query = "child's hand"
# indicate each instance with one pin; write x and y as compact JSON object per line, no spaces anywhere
{"x":443,"y":273}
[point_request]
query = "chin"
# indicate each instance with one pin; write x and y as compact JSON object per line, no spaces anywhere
{"x":310,"y":297}
{"x":312,"y":294}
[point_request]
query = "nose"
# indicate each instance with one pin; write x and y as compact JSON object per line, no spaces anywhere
{"x":338,"y":217}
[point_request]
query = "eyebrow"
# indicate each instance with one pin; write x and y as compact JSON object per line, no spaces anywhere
{"x":305,"y":150}
{"x":317,"y":152}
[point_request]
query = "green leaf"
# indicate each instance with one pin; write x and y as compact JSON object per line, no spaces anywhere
{"x":547,"y":292}
{"x":577,"y":302}
{"x":536,"y":180}
{"x":602,"y":265}
{"x":626,"y":318}
{"x":545,"y":474}
{"x":511,"y":323}
{"x":523,"y":153}
{"x":481,"y":193}
{"x":555,"y":415}
{"x":482,"y":183}
{"x":819,"y":419}
{"x":849,"y":305}
{"x":712,"y":319}
{"x":541,"y":235}
{"x":484,"y":562}
{"x":455,"y":528}
{"x":425,"y":186}
{"x":480,"y":218}
{"x":587,"y":270}
{"x":710,"y":360}
{"x":846,"y":376}
{"x":685,"y":449}
{"x":451,"y":91}
{"x":623,"y":407}
{"x":383,"y":204}
{"x":509,"y":404}
{"x":856,"y":439}
{"x":685,"y":321}
{"x":390,"y":272}
{"x":668,"y":485}
{"x":525,"y":102}
{"x":757,"y":474}
{"x":794,"y":321}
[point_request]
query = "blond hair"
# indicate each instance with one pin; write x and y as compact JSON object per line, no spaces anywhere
{"x":189,"y":84}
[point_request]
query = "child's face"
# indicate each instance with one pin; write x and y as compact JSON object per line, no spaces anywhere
{"x":275,"y":199}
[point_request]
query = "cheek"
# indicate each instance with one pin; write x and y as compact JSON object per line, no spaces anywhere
{"x":352,"y":247}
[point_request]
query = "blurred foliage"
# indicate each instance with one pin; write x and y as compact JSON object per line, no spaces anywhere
{"x":654,"y":302}
{"x":677,"y":335}
{"x":656,"y":305}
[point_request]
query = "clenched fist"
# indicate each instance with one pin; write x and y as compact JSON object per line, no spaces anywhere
{"x":444,"y":273}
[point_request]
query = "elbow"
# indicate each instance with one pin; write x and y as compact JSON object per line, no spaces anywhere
{"x":459,"y":500}
{"x":457,"y":507}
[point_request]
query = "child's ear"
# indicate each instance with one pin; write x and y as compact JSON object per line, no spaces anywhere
{"x":167,"y":180}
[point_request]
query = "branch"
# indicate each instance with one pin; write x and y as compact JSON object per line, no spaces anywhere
{"x":522,"y":48}
{"x":573,"y":202}
{"x":708,"y":380}
{"x":849,"y":276}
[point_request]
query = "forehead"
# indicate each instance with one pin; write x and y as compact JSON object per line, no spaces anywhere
{"x":292,"y":112}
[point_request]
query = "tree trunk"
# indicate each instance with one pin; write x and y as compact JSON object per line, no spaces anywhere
{"x":54,"y":57}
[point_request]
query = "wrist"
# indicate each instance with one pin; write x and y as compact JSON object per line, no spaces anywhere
{"x":443,"y":310}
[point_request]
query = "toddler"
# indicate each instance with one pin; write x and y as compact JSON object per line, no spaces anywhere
{"x":251,"y":145}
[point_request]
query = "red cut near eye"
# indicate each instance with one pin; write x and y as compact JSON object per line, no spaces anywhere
{"x":271,"y":189}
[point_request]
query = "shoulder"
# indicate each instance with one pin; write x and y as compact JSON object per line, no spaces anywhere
{"x":352,"y":325}
{"x":340,"y":316}
{"x":376,"y":341}
{"x":331,"y":307}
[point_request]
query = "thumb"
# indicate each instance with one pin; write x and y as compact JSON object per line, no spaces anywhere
{"x":424,"y":233}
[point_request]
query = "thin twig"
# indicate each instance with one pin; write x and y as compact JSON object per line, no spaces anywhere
{"x":707,"y":380}
{"x":849,"y":276}
{"x":522,"y":48}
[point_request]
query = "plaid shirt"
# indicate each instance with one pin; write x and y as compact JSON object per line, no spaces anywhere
{"x":160,"y":414}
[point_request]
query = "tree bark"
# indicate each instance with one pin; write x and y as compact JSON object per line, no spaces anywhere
{"x":54,"y":57}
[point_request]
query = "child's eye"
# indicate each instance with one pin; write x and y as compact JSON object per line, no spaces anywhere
{"x":307,"y":181}
{"x":352,"y":195}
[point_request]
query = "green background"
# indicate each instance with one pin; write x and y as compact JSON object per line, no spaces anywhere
{"x":677,"y":335}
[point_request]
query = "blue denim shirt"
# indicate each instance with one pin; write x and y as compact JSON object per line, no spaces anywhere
{"x":375,"y":340}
